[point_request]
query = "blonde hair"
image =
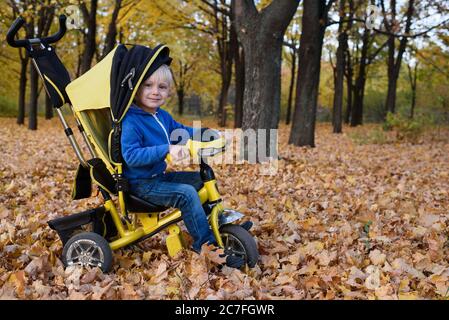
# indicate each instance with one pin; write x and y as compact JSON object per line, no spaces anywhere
{"x":164,"y":74}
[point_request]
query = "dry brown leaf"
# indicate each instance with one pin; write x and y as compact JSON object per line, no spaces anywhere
{"x":309,"y":223}
{"x":213,"y":254}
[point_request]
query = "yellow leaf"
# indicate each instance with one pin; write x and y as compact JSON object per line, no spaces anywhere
{"x":413,"y":295}
{"x":172,"y":290}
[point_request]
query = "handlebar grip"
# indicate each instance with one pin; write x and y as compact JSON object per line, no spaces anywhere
{"x":58,"y":35}
{"x":17,"y":24}
{"x":168,"y":158}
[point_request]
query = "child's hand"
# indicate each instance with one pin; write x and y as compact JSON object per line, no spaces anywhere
{"x":179,"y":152}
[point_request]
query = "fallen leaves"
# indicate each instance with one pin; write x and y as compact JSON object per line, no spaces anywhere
{"x":339,"y":221}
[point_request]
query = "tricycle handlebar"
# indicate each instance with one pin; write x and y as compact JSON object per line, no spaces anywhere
{"x":18,"y":23}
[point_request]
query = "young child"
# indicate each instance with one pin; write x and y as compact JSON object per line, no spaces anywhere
{"x":146,"y":142}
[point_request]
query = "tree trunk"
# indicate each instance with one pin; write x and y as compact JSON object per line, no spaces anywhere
{"x":394,"y":63}
{"x":339,"y":76}
{"x":413,"y":75}
{"x":262,"y":85}
{"x":359,"y":88}
{"x":90,"y":17}
{"x":22,"y":90}
{"x":412,"y":109}
{"x":79,"y":55}
{"x":349,"y":87}
{"x":48,"y":107}
{"x":311,"y":43}
{"x":239,"y":63}
{"x":226,"y":57}
{"x":32,"y":107}
{"x":225,"y":83}
{"x":290,"y":90}
{"x":348,"y":65}
{"x":180,"y":93}
{"x":357,"y":110}
{"x":112,"y":29}
{"x":338,"y":95}
{"x":261,"y":34}
{"x":391,"y":93}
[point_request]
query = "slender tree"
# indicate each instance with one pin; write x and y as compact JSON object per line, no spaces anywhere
{"x":339,"y":72}
{"x":239,"y":70}
{"x":395,"y":54}
{"x":239,"y":66}
{"x":113,"y":30}
{"x":314,"y":23}
{"x":292,"y":44}
{"x":413,"y":77}
{"x":89,"y":34}
{"x":22,"y":85}
{"x":38,"y":26}
{"x":182,"y":83}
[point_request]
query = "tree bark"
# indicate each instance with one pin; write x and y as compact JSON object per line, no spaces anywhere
{"x":261,"y":34}
{"x":48,"y":108}
{"x":112,"y":29}
{"x":32,"y":107}
{"x":44,"y":18}
{"x":348,"y":65}
{"x":359,"y":87}
{"x":90,"y":18}
{"x":222,"y":114}
{"x":339,"y":76}
{"x":413,"y":75}
{"x":349,"y":87}
{"x":22,"y":88}
{"x":226,"y":41}
{"x":180,"y":93}
{"x":239,"y":63}
{"x":292,"y":85}
{"x":313,"y":27}
{"x":182,"y":84}
{"x":394,"y":63}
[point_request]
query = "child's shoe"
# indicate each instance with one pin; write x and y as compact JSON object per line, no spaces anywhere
{"x":233,"y":261}
{"x":247,"y":225}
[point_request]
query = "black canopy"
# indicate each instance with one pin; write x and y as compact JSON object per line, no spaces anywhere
{"x":129,"y":68}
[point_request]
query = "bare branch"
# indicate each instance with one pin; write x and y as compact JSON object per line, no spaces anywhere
{"x":224,"y":11}
{"x":411,"y":36}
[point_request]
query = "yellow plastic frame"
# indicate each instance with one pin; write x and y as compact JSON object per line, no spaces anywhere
{"x":147,"y":223}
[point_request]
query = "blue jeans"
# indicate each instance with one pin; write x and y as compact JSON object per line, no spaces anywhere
{"x":178,"y":190}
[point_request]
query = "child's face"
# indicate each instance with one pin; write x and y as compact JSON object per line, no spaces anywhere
{"x":152,"y":93}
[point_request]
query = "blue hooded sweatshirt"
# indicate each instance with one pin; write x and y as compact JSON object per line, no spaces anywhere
{"x":145,"y":141}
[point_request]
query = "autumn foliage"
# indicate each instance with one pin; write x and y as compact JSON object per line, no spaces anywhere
{"x":340,"y":221}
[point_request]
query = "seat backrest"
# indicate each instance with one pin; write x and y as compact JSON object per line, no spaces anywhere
{"x":97,"y":124}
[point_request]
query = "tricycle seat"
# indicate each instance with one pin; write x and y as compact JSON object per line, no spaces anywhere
{"x":136,"y":204}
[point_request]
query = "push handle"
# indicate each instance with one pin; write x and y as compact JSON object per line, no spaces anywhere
{"x":61,"y":32}
{"x":18,"y":23}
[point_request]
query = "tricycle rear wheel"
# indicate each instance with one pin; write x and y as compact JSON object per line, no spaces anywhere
{"x":88,"y":249}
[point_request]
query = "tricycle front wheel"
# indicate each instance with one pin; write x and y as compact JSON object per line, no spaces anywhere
{"x":237,"y":241}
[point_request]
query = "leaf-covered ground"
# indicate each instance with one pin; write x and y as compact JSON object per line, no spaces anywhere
{"x":340,"y":221}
